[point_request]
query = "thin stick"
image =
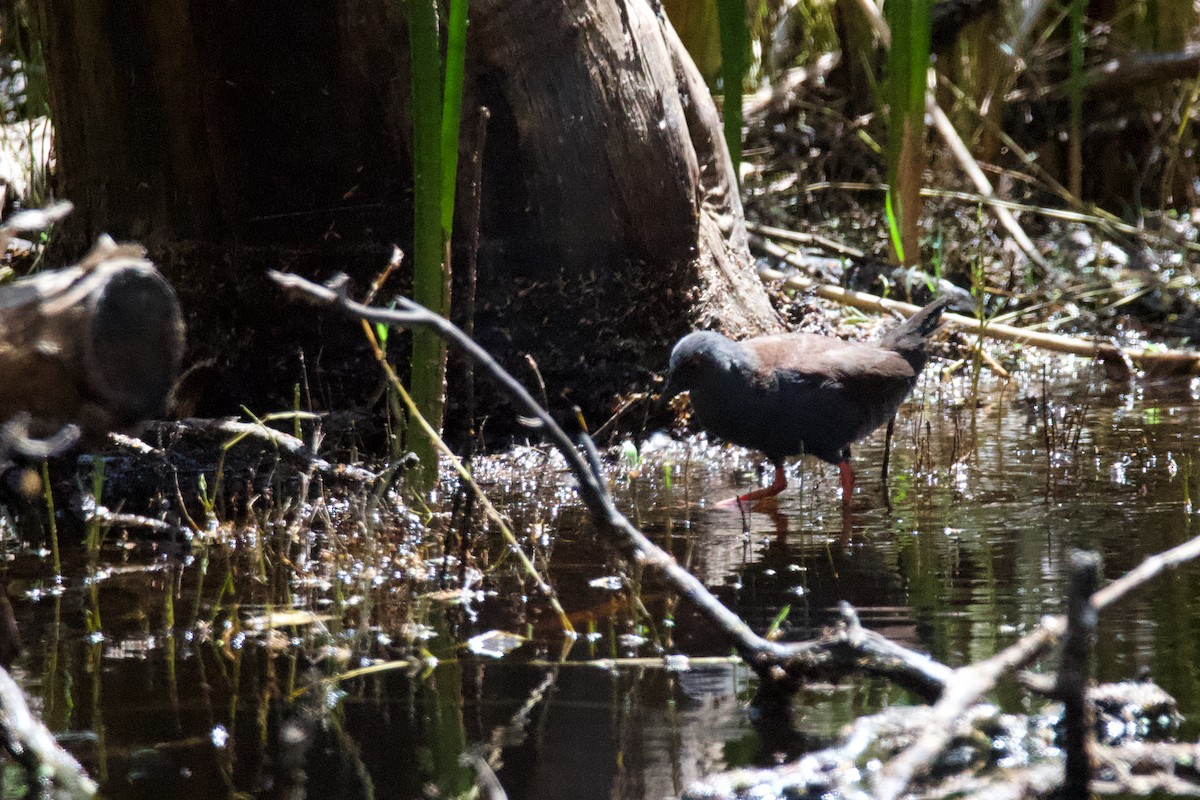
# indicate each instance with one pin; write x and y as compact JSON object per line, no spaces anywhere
{"x":970,"y":166}
{"x":1163,"y":362}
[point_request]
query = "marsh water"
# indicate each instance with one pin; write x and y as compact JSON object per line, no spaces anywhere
{"x":168,"y":671}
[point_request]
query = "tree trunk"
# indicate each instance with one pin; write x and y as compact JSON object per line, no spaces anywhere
{"x":233,"y":137}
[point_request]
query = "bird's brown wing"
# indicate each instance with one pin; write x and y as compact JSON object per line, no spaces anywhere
{"x":865,"y":367}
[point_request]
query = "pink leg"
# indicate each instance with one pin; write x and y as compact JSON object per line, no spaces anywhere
{"x":744,"y":501}
{"x":847,"y":474}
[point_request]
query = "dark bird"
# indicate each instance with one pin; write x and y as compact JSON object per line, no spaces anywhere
{"x":798,"y":393}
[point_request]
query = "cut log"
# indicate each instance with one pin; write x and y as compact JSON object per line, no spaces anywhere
{"x":97,"y":345}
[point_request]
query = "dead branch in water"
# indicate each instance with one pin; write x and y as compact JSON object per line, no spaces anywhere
{"x":29,"y":741}
{"x":846,"y":649}
{"x":970,"y":683}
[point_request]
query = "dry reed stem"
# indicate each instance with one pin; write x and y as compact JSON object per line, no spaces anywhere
{"x":1157,"y":363}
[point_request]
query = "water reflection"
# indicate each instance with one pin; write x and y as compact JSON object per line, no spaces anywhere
{"x":986,"y":500}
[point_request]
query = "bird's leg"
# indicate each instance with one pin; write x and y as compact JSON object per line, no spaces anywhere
{"x":847,"y":476}
{"x":887,"y":450}
{"x":887,"y":453}
{"x":744,"y":501}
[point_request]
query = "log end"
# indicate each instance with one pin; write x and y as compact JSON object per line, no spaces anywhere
{"x":136,"y":343}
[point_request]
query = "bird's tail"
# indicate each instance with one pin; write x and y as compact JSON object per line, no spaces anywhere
{"x":909,"y":337}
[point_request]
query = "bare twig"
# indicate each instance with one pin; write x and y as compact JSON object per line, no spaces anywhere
{"x":963,"y":690}
{"x":847,"y":648}
{"x":1142,"y":574}
{"x":962,"y":154}
{"x":1157,"y":363}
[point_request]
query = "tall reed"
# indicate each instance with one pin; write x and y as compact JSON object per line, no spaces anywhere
{"x":907,"y":66}
{"x":436,"y":114}
{"x":735,"y":63}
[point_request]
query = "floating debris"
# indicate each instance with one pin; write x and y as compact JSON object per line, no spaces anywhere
{"x":494,"y":644}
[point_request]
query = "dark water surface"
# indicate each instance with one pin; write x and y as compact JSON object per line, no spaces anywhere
{"x":182,"y":696}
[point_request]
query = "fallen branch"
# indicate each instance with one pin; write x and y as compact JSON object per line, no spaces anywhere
{"x":969,"y":684}
{"x":1155,"y":363}
{"x":845,"y":649}
{"x":32,"y":743}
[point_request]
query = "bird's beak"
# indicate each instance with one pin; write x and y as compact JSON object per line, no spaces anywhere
{"x":669,"y":390}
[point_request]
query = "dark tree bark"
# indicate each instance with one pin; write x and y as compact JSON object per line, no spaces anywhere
{"x":232,"y":137}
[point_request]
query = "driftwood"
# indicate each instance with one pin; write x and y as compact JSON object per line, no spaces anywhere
{"x":96,"y":345}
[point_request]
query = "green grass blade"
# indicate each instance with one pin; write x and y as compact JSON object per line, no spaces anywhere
{"x":735,"y":63}
{"x":908,"y":64}
{"x":456,"y":60}
{"x":429,"y":282}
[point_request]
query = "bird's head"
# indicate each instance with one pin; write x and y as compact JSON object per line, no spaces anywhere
{"x":696,"y":357}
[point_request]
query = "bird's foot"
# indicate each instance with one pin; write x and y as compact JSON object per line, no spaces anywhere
{"x":749,"y":501}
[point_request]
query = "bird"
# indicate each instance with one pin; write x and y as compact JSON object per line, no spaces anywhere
{"x":800,"y":393}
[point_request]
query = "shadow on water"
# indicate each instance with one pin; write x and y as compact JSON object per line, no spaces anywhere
{"x":182,"y":695}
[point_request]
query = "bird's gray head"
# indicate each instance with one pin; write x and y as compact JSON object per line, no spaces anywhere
{"x":699,"y":355}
